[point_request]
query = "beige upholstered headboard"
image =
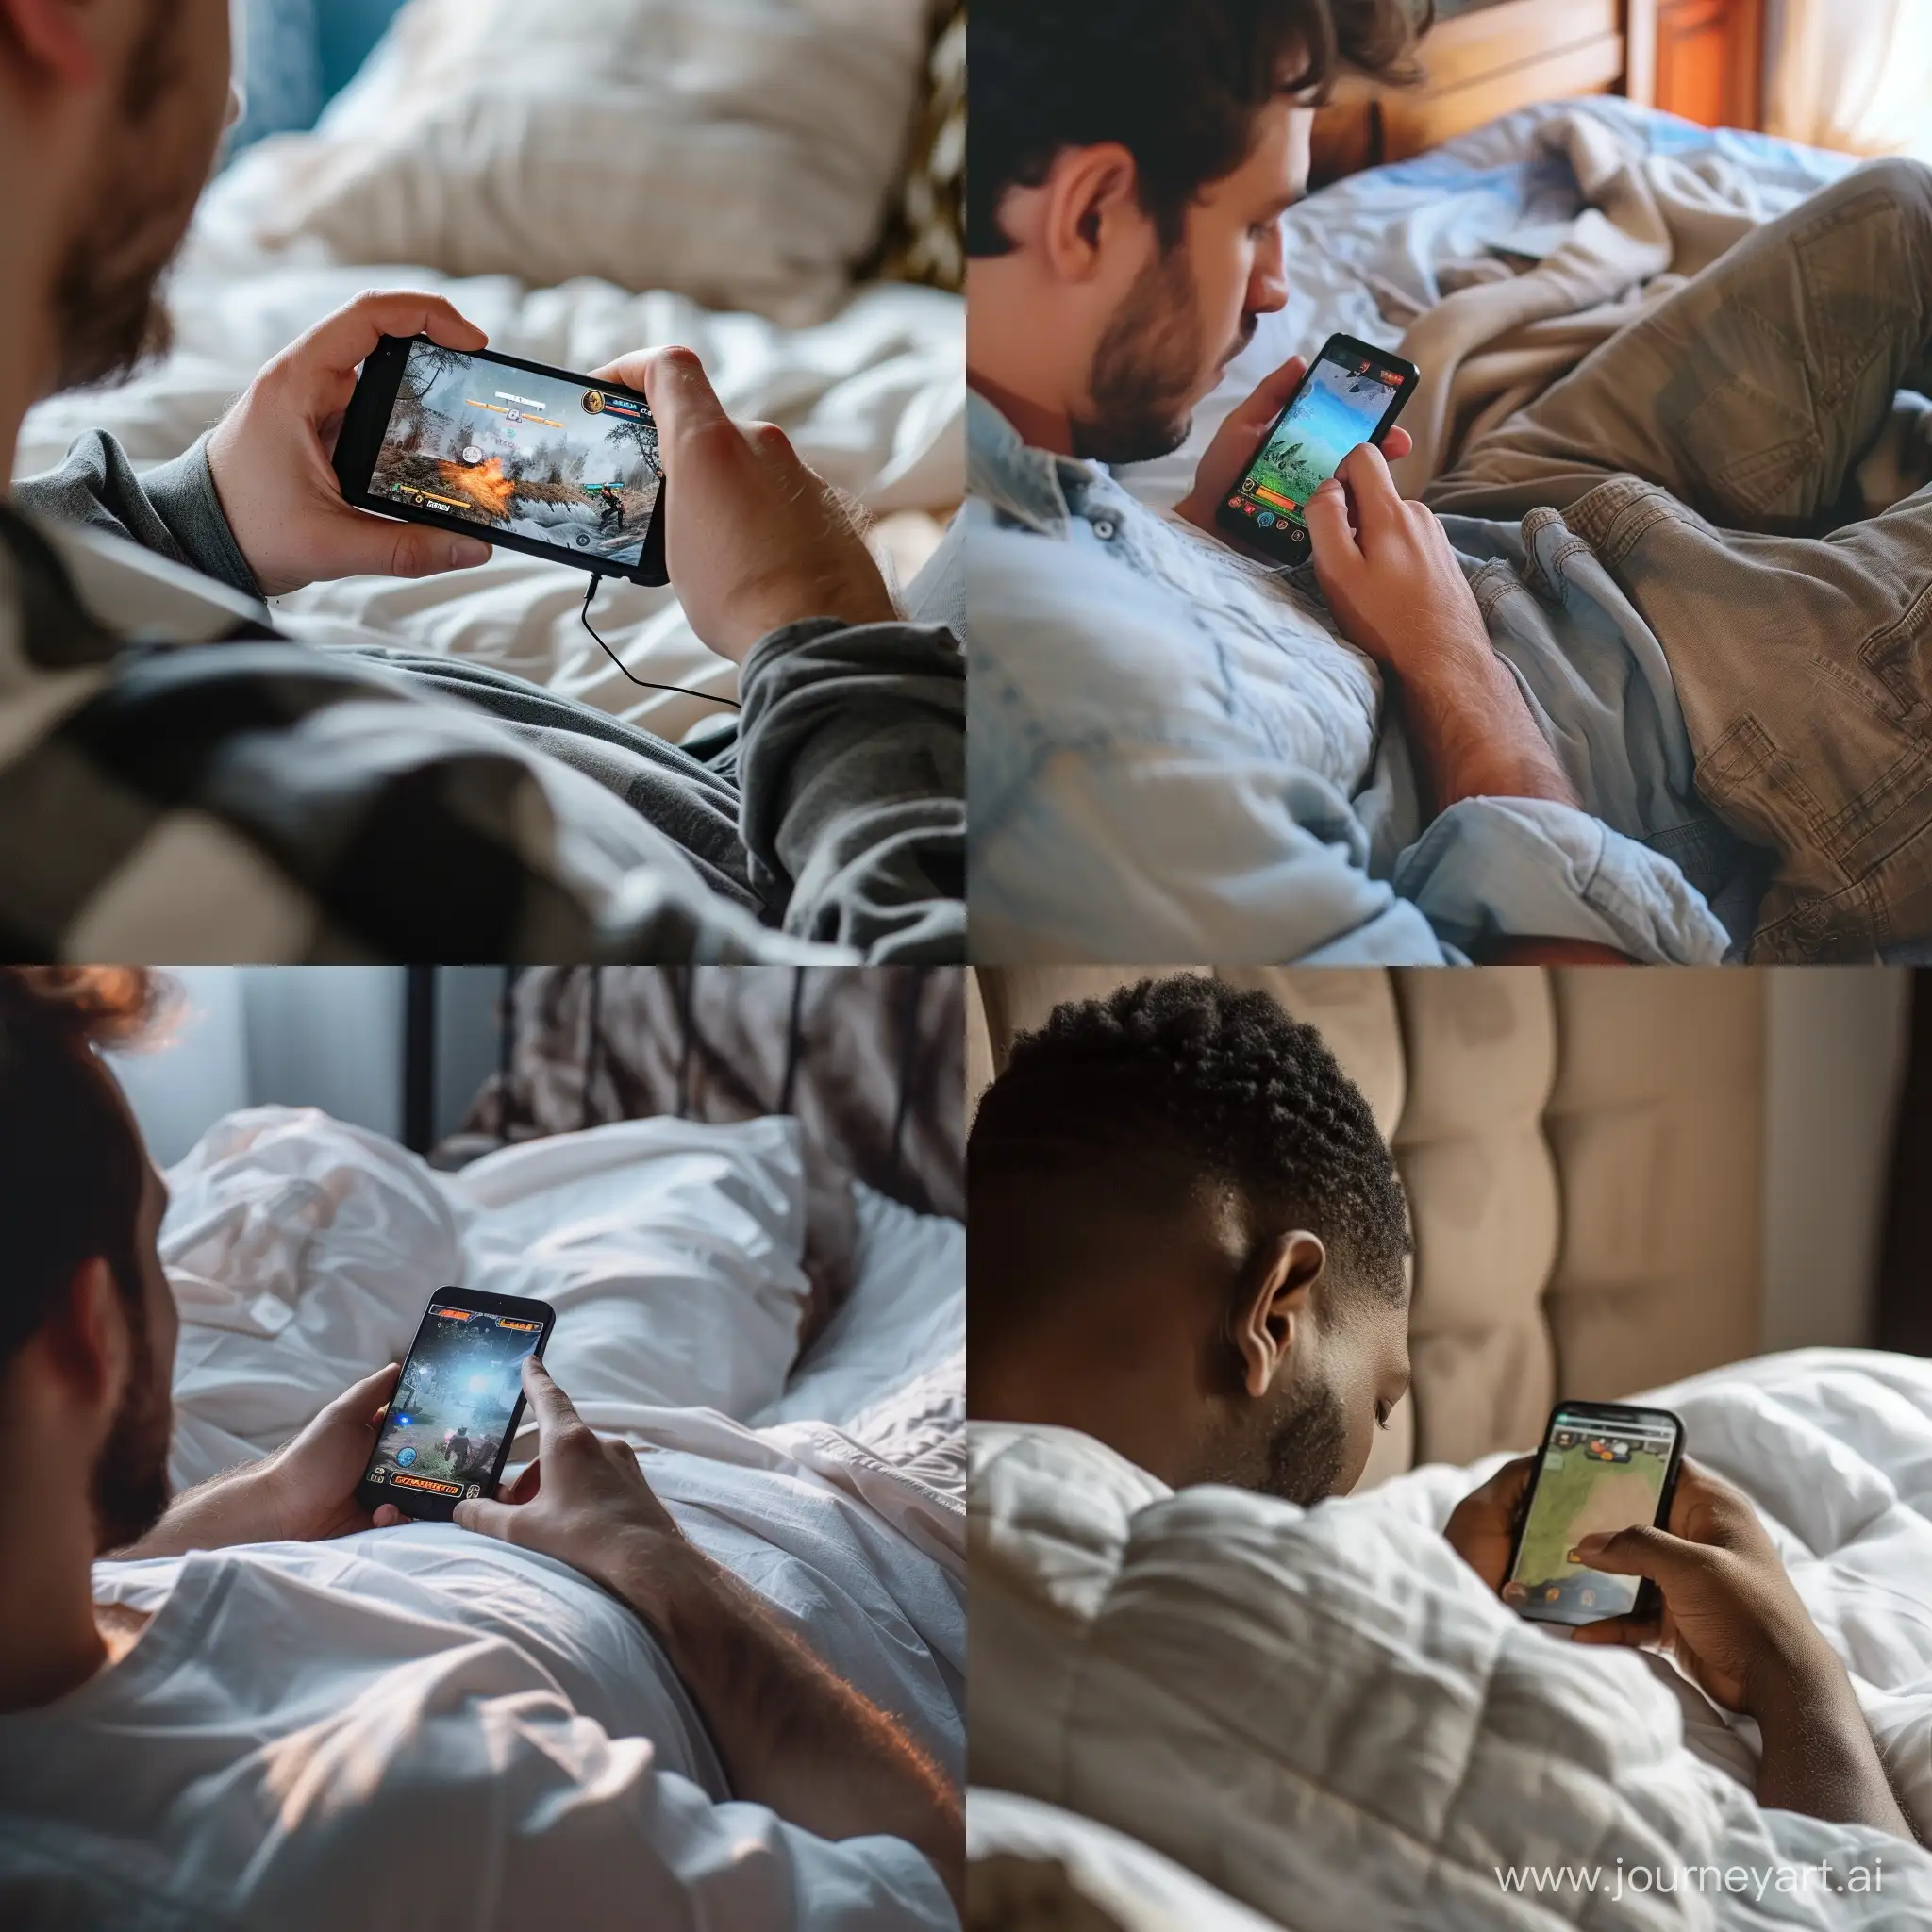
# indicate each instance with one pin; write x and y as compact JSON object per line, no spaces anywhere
{"x":1583,"y":1152}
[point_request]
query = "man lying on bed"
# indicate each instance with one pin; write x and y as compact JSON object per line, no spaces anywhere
{"x":1577,"y":711}
{"x":263,"y":801}
{"x":1188,"y":1239}
{"x":561,"y":1705}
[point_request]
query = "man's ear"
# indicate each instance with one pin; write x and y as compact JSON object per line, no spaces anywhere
{"x":89,"y":1341}
{"x":1278,"y":1297}
{"x":57,"y":38}
{"x":1091,"y":194}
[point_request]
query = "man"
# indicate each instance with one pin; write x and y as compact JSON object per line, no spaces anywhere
{"x":1187,"y":1240}
{"x":271,"y":1711}
{"x":231,"y":795}
{"x":1613,"y":729}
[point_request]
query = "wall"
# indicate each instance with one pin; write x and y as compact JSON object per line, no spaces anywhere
{"x":330,"y":1036}
{"x":1837,"y":1043}
{"x":251,"y":1036}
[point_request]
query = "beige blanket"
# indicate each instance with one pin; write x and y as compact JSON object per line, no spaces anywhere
{"x":1509,"y":330}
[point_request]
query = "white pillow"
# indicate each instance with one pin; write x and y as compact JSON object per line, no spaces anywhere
{"x":740,"y":152}
{"x":302,"y":1254}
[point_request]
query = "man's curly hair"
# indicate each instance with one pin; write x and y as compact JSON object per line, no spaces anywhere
{"x":1202,"y":1080}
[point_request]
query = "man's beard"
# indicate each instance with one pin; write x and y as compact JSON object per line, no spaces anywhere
{"x":1307,"y":1449}
{"x":130,"y":1480}
{"x":108,"y":308}
{"x":1297,"y":1450}
{"x":107,"y":303}
{"x":1148,"y":367}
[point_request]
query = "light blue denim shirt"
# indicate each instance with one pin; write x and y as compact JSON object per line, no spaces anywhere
{"x":1174,"y":756}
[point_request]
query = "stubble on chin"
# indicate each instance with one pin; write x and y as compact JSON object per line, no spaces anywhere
{"x":131,"y":1484}
{"x":108,"y":303}
{"x":1146,"y":369}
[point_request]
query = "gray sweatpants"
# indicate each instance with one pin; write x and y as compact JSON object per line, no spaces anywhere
{"x":1706,"y":456}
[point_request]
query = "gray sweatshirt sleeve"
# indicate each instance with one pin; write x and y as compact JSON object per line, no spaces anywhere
{"x":853,"y":766}
{"x":172,"y":511}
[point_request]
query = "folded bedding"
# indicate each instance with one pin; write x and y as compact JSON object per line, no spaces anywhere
{"x":1325,"y":1714}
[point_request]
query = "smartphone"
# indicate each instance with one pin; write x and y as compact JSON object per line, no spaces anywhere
{"x":1604,"y":1466}
{"x":534,"y":459}
{"x":456,"y":1409}
{"x":1352,"y":394}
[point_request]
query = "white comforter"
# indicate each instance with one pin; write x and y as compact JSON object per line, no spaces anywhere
{"x":875,"y":400}
{"x":1326,"y":1716}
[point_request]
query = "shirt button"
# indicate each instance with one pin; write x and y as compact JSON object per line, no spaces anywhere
{"x":1103,"y":528}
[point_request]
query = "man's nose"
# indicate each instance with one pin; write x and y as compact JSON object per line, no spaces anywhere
{"x":1268,"y":289}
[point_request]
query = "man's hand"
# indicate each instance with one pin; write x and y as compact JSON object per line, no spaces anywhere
{"x":755,"y":541}
{"x":1482,"y":1527}
{"x":792,"y":1735}
{"x":309,"y":1485}
{"x":1398,"y":593}
{"x":1730,"y":1615}
{"x":1238,"y":439}
{"x":584,"y":1500}
{"x":1737,"y":1627}
{"x":304,"y":1493}
{"x":272,"y":457}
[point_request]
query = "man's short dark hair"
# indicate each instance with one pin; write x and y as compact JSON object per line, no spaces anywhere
{"x":71,"y":1162}
{"x":1181,"y":84}
{"x":1134,"y":1099}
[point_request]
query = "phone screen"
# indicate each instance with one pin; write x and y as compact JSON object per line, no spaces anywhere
{"x":501,"y":448}
{"x":1342,"y":404}
{"x":452,"y":1411}
{"x":1595,"y":1476}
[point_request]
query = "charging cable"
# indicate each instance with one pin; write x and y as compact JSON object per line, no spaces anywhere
{"x":643,"y":683}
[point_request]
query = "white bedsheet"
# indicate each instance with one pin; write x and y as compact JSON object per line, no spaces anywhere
{"x":1324,"y":1714}
{"x":302,"y":1252}
{"x":873,"y":398}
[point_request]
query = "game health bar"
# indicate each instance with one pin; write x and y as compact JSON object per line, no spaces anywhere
{"x":625,"y":406}
{"x":1274,"y":497}
{"x":454,"y":1314}
{"x":522,"y":1327}
{"x":517,"y":415}
{"x":422,"y":1482}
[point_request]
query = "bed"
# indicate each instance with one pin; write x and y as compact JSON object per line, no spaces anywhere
{"x":302,"y":1250}
{"x":584,"y":185}
{"x":1371,"y":1738}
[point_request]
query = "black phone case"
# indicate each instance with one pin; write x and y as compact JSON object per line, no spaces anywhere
{"x":1287,"y":543}
{"x":368,"y":417}
{"x":439,"y":1509}
{"x":1649,"y":1601}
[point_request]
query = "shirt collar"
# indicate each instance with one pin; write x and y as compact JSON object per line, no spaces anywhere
{"x":1032,"y":485}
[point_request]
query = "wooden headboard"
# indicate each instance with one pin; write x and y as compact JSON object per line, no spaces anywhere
{"x":1699,"y":58}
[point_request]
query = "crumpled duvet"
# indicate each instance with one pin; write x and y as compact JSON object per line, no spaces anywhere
{"x":1324,"y":1713}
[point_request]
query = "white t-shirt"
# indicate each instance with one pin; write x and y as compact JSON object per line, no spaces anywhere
{"x":422,"y":1728}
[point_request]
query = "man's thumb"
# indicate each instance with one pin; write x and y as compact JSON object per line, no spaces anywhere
{"x":425,"y":553}
{"x":485,"y":1517}
{"x":1641,"y":1551}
